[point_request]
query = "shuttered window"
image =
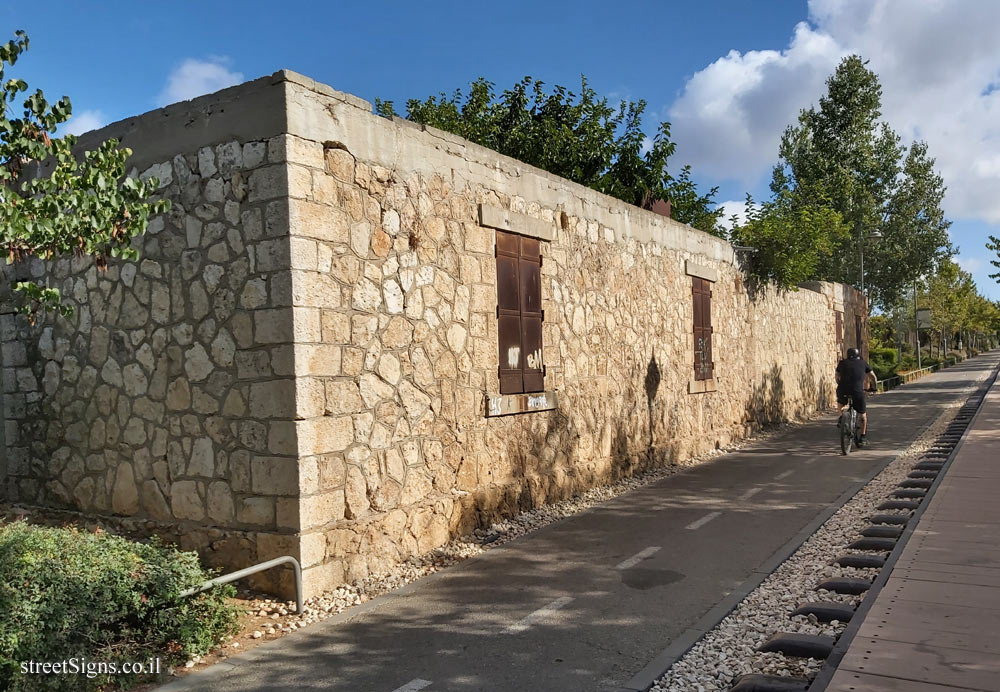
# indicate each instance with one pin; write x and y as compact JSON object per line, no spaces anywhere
{"x":519,"y":313}
{"x":840,"y":333}
{"x":704,"y":366}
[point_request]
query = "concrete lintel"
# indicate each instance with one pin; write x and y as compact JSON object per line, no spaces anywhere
{"x":515,"y":222}
{"x":702,"y":272}
{"x":508,"y":404}
{"x":701,"y":386}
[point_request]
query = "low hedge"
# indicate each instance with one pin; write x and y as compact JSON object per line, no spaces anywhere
{"x":883,"y":362}
{"x":68,"y":594}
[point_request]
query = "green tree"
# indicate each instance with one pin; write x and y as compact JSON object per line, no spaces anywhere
{"x":994,"y":246}
{"x":579,"y":137}
{"x":54,"y":203}
{"x":842,"y":156}
{"x":950,"y":294}
{"x":790,"y":241}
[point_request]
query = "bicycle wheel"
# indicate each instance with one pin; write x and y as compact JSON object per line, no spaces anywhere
{"x":846,"y":431}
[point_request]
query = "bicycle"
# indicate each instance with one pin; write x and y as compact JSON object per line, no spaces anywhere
{"x":850,"y":427}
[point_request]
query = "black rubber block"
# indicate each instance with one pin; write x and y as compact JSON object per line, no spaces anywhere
{"x":769,"y":683}
{"x":860,"y":560}
{"x":909,"y":492}
{"x":845,"y":585}
{"x":867,"y":543}
{"x":923,"y":475}
{"x":889,"y":518}
{"x":882,"y":532}
{"x":826,"y":611}
{"x":800,"y":645}
{"x":899,"y":504}
{"x":917,"y":483}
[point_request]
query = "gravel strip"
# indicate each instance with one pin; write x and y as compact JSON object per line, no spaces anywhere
{"x":730,"y":649}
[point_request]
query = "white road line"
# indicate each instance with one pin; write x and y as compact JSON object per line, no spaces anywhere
{"x":750,"y":493}
{"x":539,"y":614}
{"x":704,"y":520}
{"x":413,"y":685}
{"x":784,"y":474}
{"x":637,"y":558}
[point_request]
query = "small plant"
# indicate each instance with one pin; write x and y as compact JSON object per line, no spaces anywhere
{"x":67,"y":594}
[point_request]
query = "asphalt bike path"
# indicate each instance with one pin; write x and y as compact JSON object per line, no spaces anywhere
{"x":588,"y":602}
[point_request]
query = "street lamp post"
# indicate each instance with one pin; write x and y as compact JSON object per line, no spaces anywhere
{"x":874,"y":235}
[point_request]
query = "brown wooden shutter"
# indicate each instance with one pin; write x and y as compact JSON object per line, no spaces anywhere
{"x":701,"y":293}
{"x":519,"y":314}
{"x":840,"y":333}
{"x":857,"y":334}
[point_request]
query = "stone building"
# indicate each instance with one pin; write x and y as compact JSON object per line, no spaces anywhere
{"x":353,"y":338}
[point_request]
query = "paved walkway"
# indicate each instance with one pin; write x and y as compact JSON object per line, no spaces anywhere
{"x":935,"y":625}
{"x":602,"y":600}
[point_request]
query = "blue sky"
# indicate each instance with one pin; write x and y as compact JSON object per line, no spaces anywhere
{"x":729,"y":75}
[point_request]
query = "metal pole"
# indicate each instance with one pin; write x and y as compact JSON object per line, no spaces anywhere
{"x":253,"y":569}
{"x":862,"y":264}
{"x":916,"y":323}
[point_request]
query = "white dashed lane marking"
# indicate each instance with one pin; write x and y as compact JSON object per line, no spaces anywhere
{"x":784,"y":474}
{"x":637,"y":558}
{"x":750,"y":493}
{"x":413,"y":685}
{"x":539,"y":614}
{"x":704,"y":520}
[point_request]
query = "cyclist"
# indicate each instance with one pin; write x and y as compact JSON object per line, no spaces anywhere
{"x":852,"y":375}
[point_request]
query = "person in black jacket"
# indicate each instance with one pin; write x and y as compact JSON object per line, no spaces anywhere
{"x":852,"y":374}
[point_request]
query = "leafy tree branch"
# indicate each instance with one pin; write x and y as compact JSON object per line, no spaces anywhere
{"x":55,"y":203}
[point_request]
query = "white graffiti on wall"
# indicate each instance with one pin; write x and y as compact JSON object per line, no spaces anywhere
{"x":496,"y":405}
{"x":513,"y":357}
{"x":537,"y":401}
{"x":506,"y":404}
{"x":535,"y":360}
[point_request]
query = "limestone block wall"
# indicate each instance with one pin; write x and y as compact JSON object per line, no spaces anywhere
{"x":393,"y":262}
{"x":301,"y":361}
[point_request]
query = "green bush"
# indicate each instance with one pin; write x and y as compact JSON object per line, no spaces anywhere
{"x":883,"y":362}
{"x":68,"y":594}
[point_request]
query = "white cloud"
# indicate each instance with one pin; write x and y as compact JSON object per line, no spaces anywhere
{"x":194,"y":78}
{"x":85,"y":121}
{"x":731,"y":207}
{"x":936,"y":61}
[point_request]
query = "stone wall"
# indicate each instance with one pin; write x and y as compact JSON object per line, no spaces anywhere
{"x":394,"y":261}
{"x":302,"y":361}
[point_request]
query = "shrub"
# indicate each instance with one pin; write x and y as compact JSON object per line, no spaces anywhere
{"x":883,"y":362}
{"x":66,"y":593}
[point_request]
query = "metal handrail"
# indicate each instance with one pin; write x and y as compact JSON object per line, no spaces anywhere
{"x":253,"y":569}
{"x":909,"y":376}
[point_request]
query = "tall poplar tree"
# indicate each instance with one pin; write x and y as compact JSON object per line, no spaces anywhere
{"x":842,"y":156}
